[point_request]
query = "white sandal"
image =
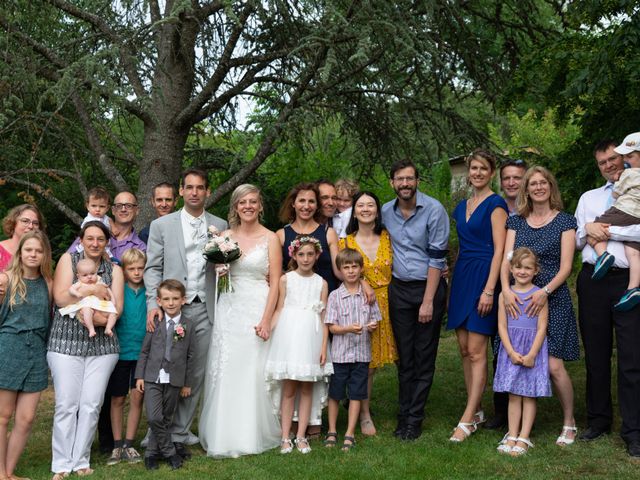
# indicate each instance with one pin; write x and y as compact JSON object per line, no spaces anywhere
{"x":286,"y":446}
{"x":503,"y":447}
{"x":563,"y":440}
{"x":302,"y":444}
{"x":479,"y":417}
{"x":517,"y":450}
{"x":465,"y":429}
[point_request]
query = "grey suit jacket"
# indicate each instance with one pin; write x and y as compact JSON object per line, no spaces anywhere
{"x":166,"y":257}
{"x":182,"y":358}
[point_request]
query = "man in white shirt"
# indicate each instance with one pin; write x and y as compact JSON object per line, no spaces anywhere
{"x":597,"y":318}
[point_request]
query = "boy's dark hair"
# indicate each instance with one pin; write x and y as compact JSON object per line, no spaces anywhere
{"x":173,"y":286}
{"x":400,"y":164}
{"x":99,"y":193}
{"x":198,"y":172}
{"x":349,"y":255}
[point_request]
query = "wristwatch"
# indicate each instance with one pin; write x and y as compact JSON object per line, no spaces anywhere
{"x":546,"y":290}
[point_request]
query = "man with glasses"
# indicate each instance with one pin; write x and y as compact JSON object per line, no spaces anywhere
{"x":123,"y":236}
{"x":419,"y":229}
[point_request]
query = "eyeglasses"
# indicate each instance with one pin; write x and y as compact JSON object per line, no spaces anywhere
{"x":124,"y":206}
{"x":27,"y":221}
{"x":404,"y":179}
{"x":541,"y":183}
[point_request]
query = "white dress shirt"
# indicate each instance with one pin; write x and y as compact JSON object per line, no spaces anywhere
{"x":592,"y":204}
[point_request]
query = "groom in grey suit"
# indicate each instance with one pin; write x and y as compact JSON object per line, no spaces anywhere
{"x":174,"y":250}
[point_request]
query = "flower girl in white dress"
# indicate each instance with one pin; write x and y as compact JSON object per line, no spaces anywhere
{"x":297,"y":358}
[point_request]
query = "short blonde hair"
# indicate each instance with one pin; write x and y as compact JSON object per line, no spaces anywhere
{"x":524,"y":205}
{"x":133,"y":255}
{"x":238,"y":193}
{"x":349,"y":186}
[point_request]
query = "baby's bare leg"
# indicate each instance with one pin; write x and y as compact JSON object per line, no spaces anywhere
{"x":599,"y":247}
{"x":111,"y":321}
{"x":87,"y":315}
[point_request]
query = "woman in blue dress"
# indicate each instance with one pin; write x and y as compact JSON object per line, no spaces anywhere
{"x":551,"y":234}
{"x":480,"y":223}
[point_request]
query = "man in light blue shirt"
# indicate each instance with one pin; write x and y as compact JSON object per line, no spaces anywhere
{"x":419,"y":229}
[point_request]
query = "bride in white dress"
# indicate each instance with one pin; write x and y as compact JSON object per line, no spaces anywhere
{"x":237,"y":417}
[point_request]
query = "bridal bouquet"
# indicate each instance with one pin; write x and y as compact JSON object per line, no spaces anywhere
{"x":221,"y":250}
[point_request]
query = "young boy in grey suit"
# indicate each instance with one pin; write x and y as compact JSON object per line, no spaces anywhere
{"x":165,"y":372}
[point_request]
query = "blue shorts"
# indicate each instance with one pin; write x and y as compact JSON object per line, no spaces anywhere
{"x":349,"y":380}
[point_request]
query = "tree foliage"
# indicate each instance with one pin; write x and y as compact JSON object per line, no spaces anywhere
{"x":117,"y":90}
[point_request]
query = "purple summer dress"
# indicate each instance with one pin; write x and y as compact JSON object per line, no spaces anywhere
{"x":516,"y":379}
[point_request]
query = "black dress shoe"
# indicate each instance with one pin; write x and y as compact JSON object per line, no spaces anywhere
{"x":411,"y":432}
{"x":633,"y":448}
{"x":399,"y":431}
{"x":175,"y":461}
{"x":591,"y":433}
{"x":182,"y":450}
{"x":499,"y":421}
{"x":151,"y":463}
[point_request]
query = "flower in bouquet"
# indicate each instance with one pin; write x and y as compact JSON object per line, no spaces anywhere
{"x":221,"y":249}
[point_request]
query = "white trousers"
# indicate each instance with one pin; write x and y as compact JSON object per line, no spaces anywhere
{"x":79,"y":383}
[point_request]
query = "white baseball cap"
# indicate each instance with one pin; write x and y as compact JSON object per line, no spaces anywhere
{"x":631,"y":143}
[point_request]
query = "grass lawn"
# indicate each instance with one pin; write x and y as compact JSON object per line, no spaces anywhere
{"x":432,"y":456}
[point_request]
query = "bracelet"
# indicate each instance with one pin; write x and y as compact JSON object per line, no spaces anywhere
{"x":487,"y":293}
{"x":546,"y":290}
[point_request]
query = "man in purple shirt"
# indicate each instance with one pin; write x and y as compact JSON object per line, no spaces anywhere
{"x":123,"y":236}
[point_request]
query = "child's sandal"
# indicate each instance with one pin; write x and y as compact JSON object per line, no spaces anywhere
{"x":302,"y":444}
{"x":330,"y":439}
{"x":504,"y":446}
{"x":517,"y":450}
{"x":286,"y":446}
{"x":348,"y":446}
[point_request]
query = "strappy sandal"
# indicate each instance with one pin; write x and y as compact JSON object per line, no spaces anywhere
{"x":479,"y":417}
{"x":348,"y":446}
{"x":504,"y":446}
{"x":302,"y":445}
{"x":60,"y":476}
{"x":465,"y":430}
{"x":84,"y":472}
{"x":563,"y":440}
{"x":330,"y":439}
{"x":286,"y":446}
{"x":517,"y":450}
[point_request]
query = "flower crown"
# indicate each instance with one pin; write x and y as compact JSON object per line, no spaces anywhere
{"x":307,"y":239}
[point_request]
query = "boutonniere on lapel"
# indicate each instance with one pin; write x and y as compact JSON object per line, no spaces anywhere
{"x":179,"y":331}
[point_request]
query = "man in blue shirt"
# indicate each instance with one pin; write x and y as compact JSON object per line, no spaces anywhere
{"x":419,"y":229}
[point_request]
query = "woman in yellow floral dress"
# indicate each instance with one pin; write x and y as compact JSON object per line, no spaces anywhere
{"x":366,"y":234}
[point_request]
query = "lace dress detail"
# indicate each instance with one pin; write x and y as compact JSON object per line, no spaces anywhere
{"x":236,"y":417}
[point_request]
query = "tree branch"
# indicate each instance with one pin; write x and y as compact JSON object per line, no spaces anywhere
{"x":187,"y":114}
{"x":209,"y":9}
{"x":47,"y":195}
{"x":126,"y":55}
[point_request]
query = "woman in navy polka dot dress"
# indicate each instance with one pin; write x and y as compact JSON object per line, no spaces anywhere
{"x":541,"y":226}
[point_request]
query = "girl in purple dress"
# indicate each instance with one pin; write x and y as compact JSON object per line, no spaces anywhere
{"x":523,"y":358}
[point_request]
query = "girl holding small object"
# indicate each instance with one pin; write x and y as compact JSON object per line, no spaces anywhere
{"x":298,"y":351}
{"x":24,"y":322}
{"x":523,"y":358}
